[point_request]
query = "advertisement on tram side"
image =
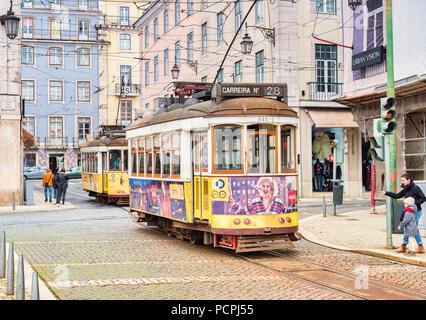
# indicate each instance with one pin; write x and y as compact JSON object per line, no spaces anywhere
{"x":159,"y":197}
{"x":118,"y":184}
{"x":254,"y":195}
{"x":91,"y":181}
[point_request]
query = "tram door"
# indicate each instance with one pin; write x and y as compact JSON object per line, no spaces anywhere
{"x":201,"y":183}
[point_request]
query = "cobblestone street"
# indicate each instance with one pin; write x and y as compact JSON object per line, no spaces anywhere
{"x":96,"y":252}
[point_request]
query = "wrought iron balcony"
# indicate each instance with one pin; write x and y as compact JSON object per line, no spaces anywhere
{"x":56,"y":142}
{"x":324,"y":91}
{"x":131,"y":90}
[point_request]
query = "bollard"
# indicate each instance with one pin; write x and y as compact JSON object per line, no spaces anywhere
{"x":20,"y":284}
{"x":10,"y":271}
{"x":324,"y":207}
{"x":35,"y":292}
{"x":13,"y":201}
{"x":3,"y":254}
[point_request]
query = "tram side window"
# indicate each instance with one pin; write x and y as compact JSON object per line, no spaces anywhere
{"x":175,"y":155}
{"x":166,"y":155}
{"x":157,"y":157}
{"x":125,"y":160}
{"x":227,"y":148}
{"x":134,"y":158}
{"x":288,"y":150}
{"x":149,"y":157}
{"x":261,"y":148}
{"x":115,"y":160}
{"x":141,"y":152}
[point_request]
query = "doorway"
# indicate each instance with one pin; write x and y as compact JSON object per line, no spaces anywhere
{"x":56,"y":160}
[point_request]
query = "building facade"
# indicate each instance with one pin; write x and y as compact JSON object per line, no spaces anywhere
{"x":60,"y":78}
{"x":365,"y":81}
{"x":119,"y":62}
{"x":10,"y":114}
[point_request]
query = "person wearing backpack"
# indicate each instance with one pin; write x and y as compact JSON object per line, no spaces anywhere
{"x":47,"y":184}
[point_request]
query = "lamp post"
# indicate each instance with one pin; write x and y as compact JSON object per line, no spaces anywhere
{"x":11,"y":23}
{"x":353,"y":4}
{"x":175,"y":72}
{"x":247,"y":43}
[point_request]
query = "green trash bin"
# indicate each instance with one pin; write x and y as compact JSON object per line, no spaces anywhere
{"x":337,"y":194}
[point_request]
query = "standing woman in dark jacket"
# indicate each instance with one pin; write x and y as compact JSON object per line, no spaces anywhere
{"x":55,"y":186}
{"x":409,"y":189}
{"x":62,"y":183}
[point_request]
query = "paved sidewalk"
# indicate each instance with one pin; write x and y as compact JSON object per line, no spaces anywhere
{"x":39,"y":205}
{"x":356,"y":231}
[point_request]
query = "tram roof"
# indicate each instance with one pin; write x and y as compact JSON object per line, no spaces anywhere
{"x":229,"y":107}
{"x":105,"y":142}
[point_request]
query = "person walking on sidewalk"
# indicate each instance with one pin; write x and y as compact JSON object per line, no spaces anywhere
{"x":410,"y":189}
{"x":62,"y":183}
{"x":47,"y":184}
{"x":55,"y":186}
{"x":409,"y":224}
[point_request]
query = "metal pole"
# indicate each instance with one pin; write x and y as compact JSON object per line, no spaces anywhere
{"x":13,"y":201}
{"x":20,"y":284}
{"x":324,"y":207}
{"x":10,"y":271}
{"x":390,"y":140}
{"x":389,"y":202}
{"x":334,"y":176}
{"x":3,"y":255}
{"x":35,"y":292}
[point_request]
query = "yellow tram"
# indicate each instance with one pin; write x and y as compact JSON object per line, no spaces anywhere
{"x":221,"y":171}
{"x":104,"y":166}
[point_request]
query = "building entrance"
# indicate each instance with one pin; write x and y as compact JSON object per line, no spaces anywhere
{"x":56,"y":160}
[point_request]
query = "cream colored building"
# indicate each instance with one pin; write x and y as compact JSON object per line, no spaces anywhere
{"x":119,"y":61}
{"x":10,"y":113}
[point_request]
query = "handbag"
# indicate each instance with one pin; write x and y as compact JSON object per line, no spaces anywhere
{"x":46,"y":184}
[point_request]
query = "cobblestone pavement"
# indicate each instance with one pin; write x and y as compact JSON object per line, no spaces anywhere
{"x":96,"y":252}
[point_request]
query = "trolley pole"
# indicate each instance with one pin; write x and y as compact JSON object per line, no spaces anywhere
{"x":390,"y":140}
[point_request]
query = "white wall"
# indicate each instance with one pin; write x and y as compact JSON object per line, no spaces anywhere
{"x":409,"y":33}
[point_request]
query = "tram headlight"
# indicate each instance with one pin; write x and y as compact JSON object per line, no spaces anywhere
{"x":282,"y":220}
{"x":237,"y":221}
{"x":288,"y":219}
{"x":247,"y":221}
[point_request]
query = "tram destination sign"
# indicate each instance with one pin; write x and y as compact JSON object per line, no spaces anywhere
{"x":249,"y":90}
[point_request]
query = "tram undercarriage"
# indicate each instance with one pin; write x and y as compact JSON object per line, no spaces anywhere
{"x":201,"y":233}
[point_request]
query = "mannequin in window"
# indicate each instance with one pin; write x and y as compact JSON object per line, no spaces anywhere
{"x":319,"y":174}
{"x":321,"y":147}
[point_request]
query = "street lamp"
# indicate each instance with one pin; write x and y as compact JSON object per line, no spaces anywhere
{"x":353,"y":4}
{"x":11,"y":22}
{"x":247,"y":43}
{"x":175,"y":72}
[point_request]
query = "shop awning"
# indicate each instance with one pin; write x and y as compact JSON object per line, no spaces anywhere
{"x":27,"y":139}
{"x":333,"y":118}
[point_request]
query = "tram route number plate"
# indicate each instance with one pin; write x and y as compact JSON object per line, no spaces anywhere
{"x":248,"y":90}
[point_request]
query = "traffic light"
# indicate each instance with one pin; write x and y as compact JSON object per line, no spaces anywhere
{"x":388,"y":115}
{"x":376,"y":142}
{"x":334,"y":143}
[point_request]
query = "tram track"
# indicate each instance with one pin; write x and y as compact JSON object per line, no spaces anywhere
{"x":329,"y":278}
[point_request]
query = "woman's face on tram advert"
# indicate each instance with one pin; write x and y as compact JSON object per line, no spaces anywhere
{"x":266,"y":189}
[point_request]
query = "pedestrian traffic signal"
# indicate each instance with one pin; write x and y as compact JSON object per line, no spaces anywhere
{"x":388,"y":115}
{"x":376,"y":141}
{"x":334,"y":143}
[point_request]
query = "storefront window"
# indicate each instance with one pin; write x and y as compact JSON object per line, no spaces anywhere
{"x":261,"y":148}
{"x":227,"y":148}
{"x":115,"y":160}
{"x":288,"y":153}
{"x":323,"y":160}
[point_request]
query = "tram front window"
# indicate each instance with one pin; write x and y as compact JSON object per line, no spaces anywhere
{"x":261,"y":148}
{"x":288,"y":155}
{"x":227,"y":148}
{"x":115,"y":160}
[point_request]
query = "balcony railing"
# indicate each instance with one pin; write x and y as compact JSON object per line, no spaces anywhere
{"x":56,"y":142}
{"x":324,"y":91}
{"x":76,"y":141}
{"x":128,"y":90}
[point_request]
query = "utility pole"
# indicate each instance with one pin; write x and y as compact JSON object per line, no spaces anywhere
{"x":390,"y":140}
